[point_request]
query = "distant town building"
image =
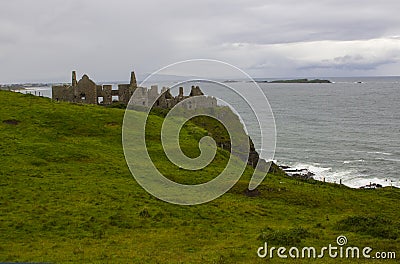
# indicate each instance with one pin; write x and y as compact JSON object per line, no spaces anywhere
{"x":88,"y":92}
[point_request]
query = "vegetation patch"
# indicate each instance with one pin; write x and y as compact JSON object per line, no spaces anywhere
{"x":286,"y":237}
{"x":375,"y":226}
{"x":67,"y":196}
{"x":11,"y":122}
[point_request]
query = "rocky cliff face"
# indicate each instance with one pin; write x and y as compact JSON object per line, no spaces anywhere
{"x":218,"y":132}
{"x":221,"y":137}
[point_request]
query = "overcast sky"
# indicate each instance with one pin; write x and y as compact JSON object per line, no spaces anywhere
{"x":43,"y":40}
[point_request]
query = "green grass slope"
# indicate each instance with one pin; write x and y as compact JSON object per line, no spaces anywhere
{"x":67,"y":196}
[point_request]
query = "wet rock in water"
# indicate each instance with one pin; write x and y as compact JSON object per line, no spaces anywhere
{"x":297,"y":173}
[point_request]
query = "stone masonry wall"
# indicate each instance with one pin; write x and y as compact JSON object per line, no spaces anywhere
{"x":87,"y":91}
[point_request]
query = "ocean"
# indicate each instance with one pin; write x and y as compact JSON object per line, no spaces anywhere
{"x":344,"y":131}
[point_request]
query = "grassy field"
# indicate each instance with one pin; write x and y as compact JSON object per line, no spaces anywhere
{"x":67,"y":196}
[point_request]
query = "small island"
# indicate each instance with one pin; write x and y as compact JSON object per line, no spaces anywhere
{"x":297,"y":81}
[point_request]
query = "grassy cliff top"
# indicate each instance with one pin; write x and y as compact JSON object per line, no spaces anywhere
{"x":67,"y":196}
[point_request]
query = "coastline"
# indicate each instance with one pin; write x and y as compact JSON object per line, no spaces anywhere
{"x":306,"y":170}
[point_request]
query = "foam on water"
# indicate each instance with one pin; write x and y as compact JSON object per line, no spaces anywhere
{"x":350,"y":177}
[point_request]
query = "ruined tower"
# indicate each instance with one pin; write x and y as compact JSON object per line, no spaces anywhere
{"x":180,"y":96}
{"x":133,"y":83}
{"x":74,"y":82}
{"x":196,"y":91}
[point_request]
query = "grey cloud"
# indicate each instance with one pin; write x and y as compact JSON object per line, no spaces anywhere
{"x":350,"y":62}
{"x":43,"y":40}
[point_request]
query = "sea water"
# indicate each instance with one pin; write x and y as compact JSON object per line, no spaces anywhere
{"x":348,"y":130}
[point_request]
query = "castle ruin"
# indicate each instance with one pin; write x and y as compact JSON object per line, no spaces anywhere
{"x":88,"y":92}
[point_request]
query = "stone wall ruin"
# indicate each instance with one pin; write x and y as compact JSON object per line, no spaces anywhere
{"x":87,"y":91}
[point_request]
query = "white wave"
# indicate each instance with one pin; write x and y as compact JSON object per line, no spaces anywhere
{"x":349,"y":177}
{"x":353,"y":161}
{"x":353,"y":178}
{"x":372,"y":152}
{"x":335,"y":176}
{"x":357,"y":182}
{"x":395,"y":160}
{"x":312,"y":168}
{"x":274,"y":161}
{"x":380,"y":153}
